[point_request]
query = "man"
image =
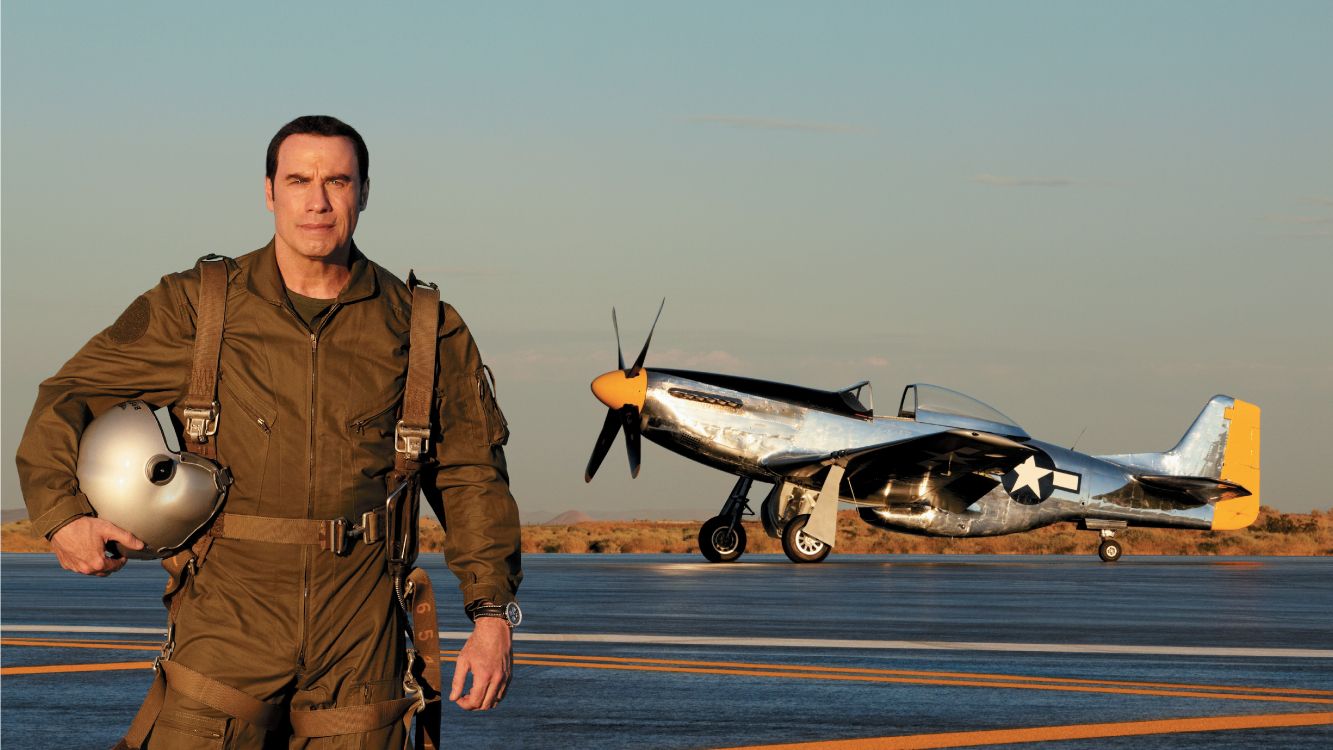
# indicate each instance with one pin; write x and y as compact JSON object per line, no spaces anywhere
{"x":310,"y":386}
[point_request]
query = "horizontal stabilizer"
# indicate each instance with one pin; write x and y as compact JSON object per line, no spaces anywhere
{"x":1200,"y":490}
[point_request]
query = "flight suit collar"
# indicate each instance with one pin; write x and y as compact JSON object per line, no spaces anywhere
{"x":265,"y":279}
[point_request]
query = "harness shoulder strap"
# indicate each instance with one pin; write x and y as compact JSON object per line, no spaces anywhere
{"x":200,"y":405}
{"x":412,"y":435}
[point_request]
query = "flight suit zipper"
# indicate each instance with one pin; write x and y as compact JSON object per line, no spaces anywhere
{"x":309,"y":557}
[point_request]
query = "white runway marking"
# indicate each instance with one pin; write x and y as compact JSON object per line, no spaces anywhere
{"x":81,"y":629}
{"x":863,"y":645}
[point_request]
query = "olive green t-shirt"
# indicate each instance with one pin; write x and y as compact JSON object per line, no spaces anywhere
{"x":309,"y":308}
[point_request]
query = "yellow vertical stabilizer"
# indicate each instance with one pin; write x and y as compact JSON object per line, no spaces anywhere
{"x":1240,"y":464}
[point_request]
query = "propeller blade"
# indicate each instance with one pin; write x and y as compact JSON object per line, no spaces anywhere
{"x":630,"y":417}
{"x":643,"y":353}
{"x":603,"y":444}
{"x":620,"y":358}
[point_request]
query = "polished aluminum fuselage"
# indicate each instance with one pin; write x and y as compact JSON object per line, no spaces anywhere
{"x":749,"y":435}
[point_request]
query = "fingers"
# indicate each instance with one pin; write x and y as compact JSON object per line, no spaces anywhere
{"x":487,"y":688}
{"x":122,"y":537}
{"x":460,"y":677}
{"x":488,"y":657}
{"x":80,"y":546}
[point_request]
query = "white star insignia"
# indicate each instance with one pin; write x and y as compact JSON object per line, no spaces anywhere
{"x":1029,"y":474}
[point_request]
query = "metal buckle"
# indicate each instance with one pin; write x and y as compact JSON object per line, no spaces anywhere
{"x":411,"y":441}
{"x":333,"y":536}
{"x":201,"y":424}
{"x":370,"y":526}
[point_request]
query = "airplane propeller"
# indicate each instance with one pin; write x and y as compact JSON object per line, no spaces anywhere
{"x":623,"y":391}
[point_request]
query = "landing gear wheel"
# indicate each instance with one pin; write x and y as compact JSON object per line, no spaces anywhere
{"x":1109,"y":550}
{"x":799,"y":546}
{"x":719,"y":541}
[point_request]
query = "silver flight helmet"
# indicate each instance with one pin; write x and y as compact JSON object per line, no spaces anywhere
{"x":134,"y":479}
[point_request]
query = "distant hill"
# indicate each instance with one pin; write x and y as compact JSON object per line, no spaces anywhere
{"x":569,"y":518}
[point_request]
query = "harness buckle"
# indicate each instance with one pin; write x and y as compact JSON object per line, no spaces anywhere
{"x":370,"y":526}
{"x":334,"y":536}
{"x":412,"y":442}
{"x":201,"y":424}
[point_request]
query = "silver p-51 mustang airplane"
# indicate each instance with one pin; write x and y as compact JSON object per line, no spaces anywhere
{"x":944,"y":465}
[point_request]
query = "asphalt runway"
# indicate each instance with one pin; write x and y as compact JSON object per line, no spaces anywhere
{"x":666,"y":651}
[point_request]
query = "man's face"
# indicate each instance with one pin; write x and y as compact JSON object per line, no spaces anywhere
{"x":315,"y":195}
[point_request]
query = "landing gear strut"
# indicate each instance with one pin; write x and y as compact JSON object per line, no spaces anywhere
{"x":722,"y":538}
{"x":1110,"y":549}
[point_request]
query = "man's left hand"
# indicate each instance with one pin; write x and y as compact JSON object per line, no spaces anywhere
{"x":489,"y":656}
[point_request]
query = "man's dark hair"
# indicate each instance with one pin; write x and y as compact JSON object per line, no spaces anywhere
{"x":323,"y":125}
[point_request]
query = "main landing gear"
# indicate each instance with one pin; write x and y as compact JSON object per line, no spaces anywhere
{"x":800,"y":546}
{"x":1110,"y":548}
{"x":722,"y":537}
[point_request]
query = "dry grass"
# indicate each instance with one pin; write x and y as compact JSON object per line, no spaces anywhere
{"x":1272,"y":534}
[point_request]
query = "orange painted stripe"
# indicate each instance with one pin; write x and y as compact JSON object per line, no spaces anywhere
{"x":56,"y":668}
{"x":924,"y":681}
{"x":151,"y":646}
{"x":105,"y":645}
{"x":943,"y":679}
{"x":913,"y":673}
{"x":1057,"y":733}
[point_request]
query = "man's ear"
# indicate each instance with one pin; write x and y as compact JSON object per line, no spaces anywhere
{"x":365,"y":194}
{"x":268,"y":193}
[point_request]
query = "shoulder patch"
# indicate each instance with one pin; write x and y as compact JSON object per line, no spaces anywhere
{"x":132,"y":324}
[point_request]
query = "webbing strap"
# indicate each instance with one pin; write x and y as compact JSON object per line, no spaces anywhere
{"x":221,"y":696}
{"x":426,"y":642}
{"x":327,"y":722}
{"x":412,"y":439}
{"x":147,"y":715}
{"x":200,"y":403}
{"x":265,"y":529}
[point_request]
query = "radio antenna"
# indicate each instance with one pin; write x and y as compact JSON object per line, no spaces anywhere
{"x":1080,"y":437}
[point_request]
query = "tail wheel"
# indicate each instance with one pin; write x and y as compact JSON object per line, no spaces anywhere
{"x":800,"y":546}
{"x":720,"y":540}
{"x":1109,"y":550}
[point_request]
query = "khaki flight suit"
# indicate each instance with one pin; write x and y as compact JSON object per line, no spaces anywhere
{"x":307,"y":429}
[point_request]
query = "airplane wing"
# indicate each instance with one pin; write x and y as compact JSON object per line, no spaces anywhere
{"x":952,"y":460}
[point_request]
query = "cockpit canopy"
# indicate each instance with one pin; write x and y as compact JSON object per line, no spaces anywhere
{"x":932,"y":404}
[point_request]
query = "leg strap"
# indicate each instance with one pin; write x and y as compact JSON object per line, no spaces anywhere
{"x":327,"y":722}
{"x":221,"y":696}
{"x":148,"y":712}
{"x":206,"y":690}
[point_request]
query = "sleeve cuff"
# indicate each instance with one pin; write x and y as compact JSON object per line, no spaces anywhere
{"x":65,"y":510}
{"x":492,"y":592}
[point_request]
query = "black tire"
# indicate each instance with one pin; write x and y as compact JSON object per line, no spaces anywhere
{"x":719,"y":541}
{"x":799,"y":547}
{"x":1110,"y":550}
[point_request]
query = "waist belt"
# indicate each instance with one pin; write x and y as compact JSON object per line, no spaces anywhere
{"x":335,"y":535}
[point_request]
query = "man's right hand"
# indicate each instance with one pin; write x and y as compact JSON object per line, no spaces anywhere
{"x":80,"y":546}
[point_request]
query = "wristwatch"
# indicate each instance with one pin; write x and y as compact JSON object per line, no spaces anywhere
{"x":510,"y":612}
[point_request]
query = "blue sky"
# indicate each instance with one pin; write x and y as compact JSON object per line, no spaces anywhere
{"x":1091,"y":216}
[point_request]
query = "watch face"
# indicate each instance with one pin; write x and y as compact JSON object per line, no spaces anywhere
{"x":513,"y":614}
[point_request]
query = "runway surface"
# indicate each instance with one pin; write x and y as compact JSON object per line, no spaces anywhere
{"x":663,"y":651}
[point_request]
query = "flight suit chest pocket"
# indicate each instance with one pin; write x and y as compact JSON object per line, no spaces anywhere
{"x":495,"y":428}
{"x":245,"y":432}
{"x":371,"y":441}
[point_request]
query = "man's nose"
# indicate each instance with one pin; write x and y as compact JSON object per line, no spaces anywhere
{"x":319,"y":200}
